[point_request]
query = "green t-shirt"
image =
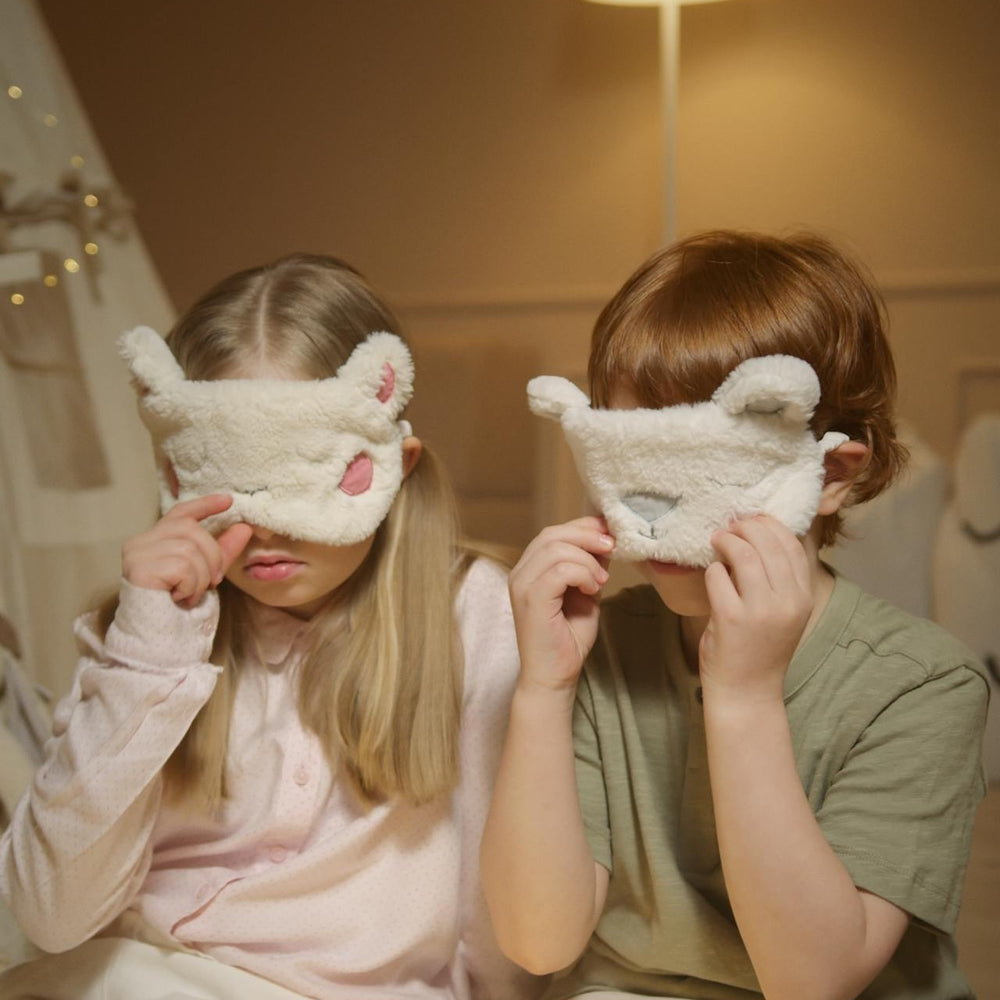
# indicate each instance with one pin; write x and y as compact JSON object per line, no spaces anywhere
{"x":886,"y":714}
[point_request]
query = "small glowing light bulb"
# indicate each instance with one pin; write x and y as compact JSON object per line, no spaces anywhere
{"x":17,"y":299}
{"x":50,"y":281}
{"x":71,"y":265}
{"x":91,"y":200}
{"x":14,"y":92}
{"x":50,"y":120}
{"x":90,"y":248}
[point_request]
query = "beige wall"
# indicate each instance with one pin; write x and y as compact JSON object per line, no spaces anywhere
{"x":495,"y":169}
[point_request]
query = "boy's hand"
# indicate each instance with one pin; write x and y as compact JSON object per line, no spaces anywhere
{"x":761,"y":598}
{"x":555,"y":592}
{"x":179,"y":555}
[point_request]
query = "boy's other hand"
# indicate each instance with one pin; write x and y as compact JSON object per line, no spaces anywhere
{"x":179,"y":555}
{"x":555,"y":593}
{"x":761,"y":598}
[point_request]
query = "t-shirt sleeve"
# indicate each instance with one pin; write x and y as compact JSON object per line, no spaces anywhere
{"x":590,"y":775}
{"x":899,"y":813}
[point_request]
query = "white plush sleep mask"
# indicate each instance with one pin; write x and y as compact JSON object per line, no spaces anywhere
{"x":666,"y":480}
{"x":318,"y":460}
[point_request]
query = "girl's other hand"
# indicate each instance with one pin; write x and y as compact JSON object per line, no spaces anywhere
{"x":555,"y":592}
{"x":179,"y":555}
{"x":761,"y":598}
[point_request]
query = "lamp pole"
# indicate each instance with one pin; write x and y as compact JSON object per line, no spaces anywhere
{"x":670,"y":51}
{"x":670,"y":59}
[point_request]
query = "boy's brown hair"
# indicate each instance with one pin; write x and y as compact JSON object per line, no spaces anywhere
{"x":694,"y":310}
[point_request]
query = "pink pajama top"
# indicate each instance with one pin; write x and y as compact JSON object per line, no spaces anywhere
{"x":297,"y":881}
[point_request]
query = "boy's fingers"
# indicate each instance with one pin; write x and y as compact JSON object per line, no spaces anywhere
{"x":590,"y":533}
{"x":539,"y":565}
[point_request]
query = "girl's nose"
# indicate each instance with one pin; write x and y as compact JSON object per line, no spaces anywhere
{"x":262,"y":533}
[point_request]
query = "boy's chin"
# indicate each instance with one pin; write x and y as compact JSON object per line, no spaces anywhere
{"x":681,"y":588}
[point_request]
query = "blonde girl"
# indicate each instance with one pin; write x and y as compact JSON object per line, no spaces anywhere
{"x":270,"y":776}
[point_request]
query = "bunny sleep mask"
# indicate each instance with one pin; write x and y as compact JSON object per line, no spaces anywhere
{"x":317,"y":460}
{"x":666,"y":480}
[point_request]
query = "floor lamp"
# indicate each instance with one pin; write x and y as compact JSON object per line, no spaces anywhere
{"x":670,"y":50}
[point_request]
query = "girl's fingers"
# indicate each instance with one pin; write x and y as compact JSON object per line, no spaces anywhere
{"x":200,"y":507}
{"x":178,"y":554}
{"x":230,"y":544}
{"x":194,"y":570}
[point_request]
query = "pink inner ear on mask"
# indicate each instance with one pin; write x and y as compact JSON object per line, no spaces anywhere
{"x":358,"y":476}
{"x":388,"y":385}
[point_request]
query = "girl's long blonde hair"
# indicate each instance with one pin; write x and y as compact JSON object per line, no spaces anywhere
{"x":381,"y":679}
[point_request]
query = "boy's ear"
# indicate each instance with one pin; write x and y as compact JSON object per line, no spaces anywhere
{"x":412,"y":450}
{"x":843,"y":465}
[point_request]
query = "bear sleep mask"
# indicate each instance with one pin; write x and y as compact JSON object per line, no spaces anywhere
{"x":317,"y":460}
{"x":666,"y":480}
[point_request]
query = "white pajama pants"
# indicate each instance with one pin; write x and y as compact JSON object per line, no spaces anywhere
{"x":124,"y":969}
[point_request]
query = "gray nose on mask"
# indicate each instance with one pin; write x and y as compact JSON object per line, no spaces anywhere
{"x":650,"y":506}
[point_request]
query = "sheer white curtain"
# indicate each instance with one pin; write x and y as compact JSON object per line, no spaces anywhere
{"x":76,"y":474}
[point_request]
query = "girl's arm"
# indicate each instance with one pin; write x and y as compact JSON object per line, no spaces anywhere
{"x":808,"y":929}
{"x":544,"y":889}
{"x":78,"y":845}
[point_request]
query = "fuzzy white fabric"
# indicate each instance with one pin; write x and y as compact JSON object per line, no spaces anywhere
{"x":317,"y":460}
{"x":667,"y":479}
{"x":967,"y":563}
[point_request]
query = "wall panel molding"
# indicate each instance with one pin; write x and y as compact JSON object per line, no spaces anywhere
{"x":895,"y":283}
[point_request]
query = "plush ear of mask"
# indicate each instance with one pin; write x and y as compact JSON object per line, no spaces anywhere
{"x":319,"y":460}
{"x":666,"y":480}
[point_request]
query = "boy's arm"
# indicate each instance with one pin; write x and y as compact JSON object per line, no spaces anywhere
{"x":808,"y":929}
{"x":544,"y":889}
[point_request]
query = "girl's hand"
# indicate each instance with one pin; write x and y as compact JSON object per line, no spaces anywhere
{"x":555,"y":592}
{"x":179,"y":555}
{"x":761,"y":598}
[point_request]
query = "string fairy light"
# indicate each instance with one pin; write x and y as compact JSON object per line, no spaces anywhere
{"x":88,"y":209}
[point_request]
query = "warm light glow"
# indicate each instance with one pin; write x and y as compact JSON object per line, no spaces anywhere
{"x":651,"y":3}
{"x":14,"y":92}
{"x":71,"y":265}
{"x":90,"y":200}
{"x":76,"y":162}
{"x":50,"y":121}
{"x":90,"y":248}
{"x":17,"y":299}
{"x":50,"y":281}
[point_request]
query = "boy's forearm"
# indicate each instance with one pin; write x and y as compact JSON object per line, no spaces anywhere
{"x":807,"y":928}
{"x":537,"y":869}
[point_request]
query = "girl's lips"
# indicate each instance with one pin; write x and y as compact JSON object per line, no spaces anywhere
{"x":272,"y":568}
{"x":670,"y":569}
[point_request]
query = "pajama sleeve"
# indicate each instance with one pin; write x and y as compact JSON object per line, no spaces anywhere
{"x":491,"y":670}
{"x":79,"y":842}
